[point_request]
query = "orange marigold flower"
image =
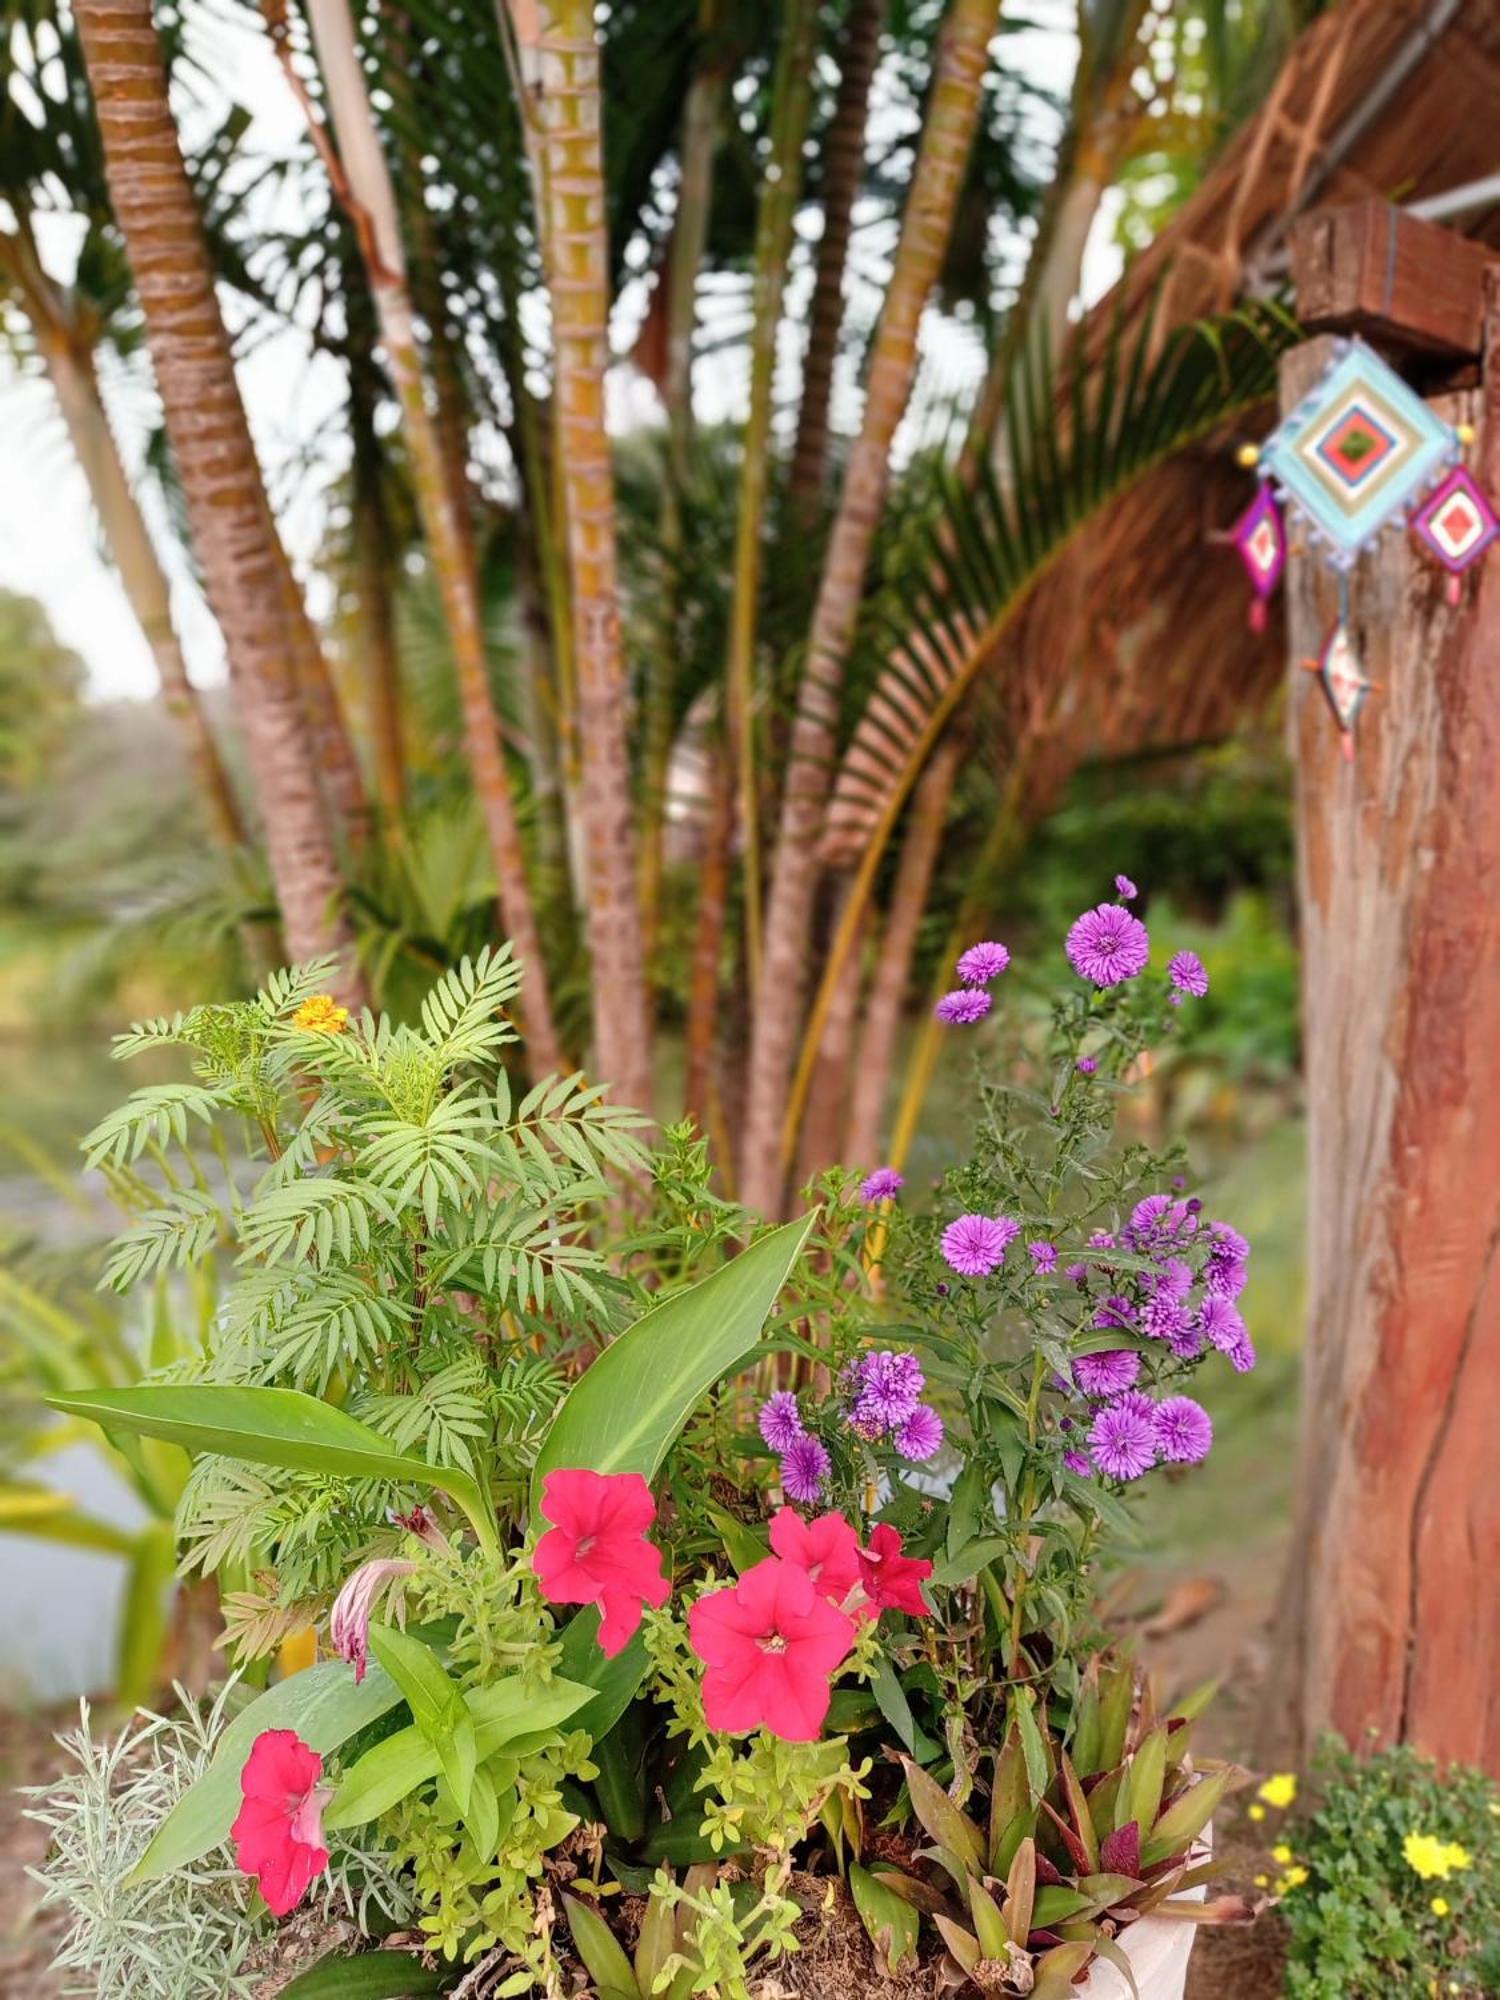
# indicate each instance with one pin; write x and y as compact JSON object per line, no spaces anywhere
{"x":321,"y":1014}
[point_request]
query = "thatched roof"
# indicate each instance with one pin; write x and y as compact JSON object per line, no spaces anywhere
{"x":1142,"y":635}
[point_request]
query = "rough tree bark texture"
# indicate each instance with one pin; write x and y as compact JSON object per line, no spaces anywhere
{"x":1391,"y":1616}
{"x":444,"y":520}
{"x":843,"y":170}
{"x":230,"y":520}
{"x":947,"y":135}
{"x":576,"y":252}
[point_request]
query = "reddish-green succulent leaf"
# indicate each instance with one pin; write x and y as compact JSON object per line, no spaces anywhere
{"x":941,"y":1817}
{"x":1140,"y":1795}
{"x":1078,"y":1809}
{"x":1120,"y":1851}
{"x":963,"y":1944}
{"x":889,"y":1920}
{"x":989,"y":1926}
{"x":1182,"y":1822}
{"x":1056,"y":1969}
{"x":1021,"y":1893}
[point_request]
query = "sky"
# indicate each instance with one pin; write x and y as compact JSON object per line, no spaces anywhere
{"x":49,"y":547}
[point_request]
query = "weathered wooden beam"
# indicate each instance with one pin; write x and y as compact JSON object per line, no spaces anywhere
{"x":1409,"y":287}
{"x":1391,"y":1616}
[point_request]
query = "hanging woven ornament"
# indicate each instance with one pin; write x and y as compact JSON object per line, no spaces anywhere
{"x":1260,"y":537}
{"x":1457,"y":524}
{"x":1345,"y":685}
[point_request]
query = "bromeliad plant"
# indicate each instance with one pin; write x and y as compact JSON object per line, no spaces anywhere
{"x":606,"y":1611}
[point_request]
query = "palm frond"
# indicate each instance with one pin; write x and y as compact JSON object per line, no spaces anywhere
{"x":935,"y":628}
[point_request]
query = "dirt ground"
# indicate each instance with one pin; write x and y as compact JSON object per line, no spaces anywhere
{"x":27,"y":1756}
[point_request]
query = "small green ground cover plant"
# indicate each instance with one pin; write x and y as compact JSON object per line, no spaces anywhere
{"x":1397,"y":1880}
{"x":659,"y":1561}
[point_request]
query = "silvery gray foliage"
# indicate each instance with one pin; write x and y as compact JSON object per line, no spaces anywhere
{"x":191,"y":1934}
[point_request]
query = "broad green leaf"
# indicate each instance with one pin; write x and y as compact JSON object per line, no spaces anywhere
{"x":436,"y":1705}
{"x":989,"y":1925}
{"x":482,"y":1817}
{"x":744,"y":1547}
{"x":1140,"y":1795}
{"x":1055,"y":1970}
{"x":1012,"y":1809}
{"x":970,"y":1560}
{"x":625,"y":1410}
{"x":325,"y":1705}
{"x":1033,"y":1746}
{"x":1187,"y":1816}
{"x":1020,"y":1896}
{"x":890,"y":1923}
{"x":273,"y":1427}
{"x":942,"y":1818}
{"x":506,"y":1713}
{"x":373,"y":1975}
{"x":963,"y":1944}
{"x":602,"y":1954}
{"x":614,"y":1681}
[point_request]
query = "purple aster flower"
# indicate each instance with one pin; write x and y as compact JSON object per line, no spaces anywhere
{"x":1116,"y":1312}
{"x":1103,"y":1239}
{"x":804,"y":1467}
{"x":883,"y":1185}
{"x":1086,"y":1065}
{"x":1044,"y":1257}
{"x":1108,"y":1373}
{"x":964,"y":1006}
{"x":921,"y":1435}
{"x":1164,"y":1317}
{"x":1126,"y":888}
{"x":1185,"y":970}
{"x":1079,"y":1462}
{"x":781,"y":1420}
{"x":1108,"y":945}
{"x":981,"y":963}
{"x":1183,"y":1431}
{"x":1226,"y":1272}
{"x":1077,"y":1274}
{"x":1122,"y":1437}
{"x":1175,"y":1276}
{"x":1220,"y":1324}
{"x":975,"y":1245}
{"x":1157,"y":1217}
{"x":1242,"y":1355}
{"x":889,"y":1387}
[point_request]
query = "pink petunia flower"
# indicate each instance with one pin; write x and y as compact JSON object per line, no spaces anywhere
{"x":771,"y":1646}
{"x":893,"y":1581}
{"x":827,"y":1548}
{"x":278,"y":1835}
{"x":596,"y":1551}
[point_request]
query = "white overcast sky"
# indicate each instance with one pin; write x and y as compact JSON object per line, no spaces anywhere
{"x":48,"y":544}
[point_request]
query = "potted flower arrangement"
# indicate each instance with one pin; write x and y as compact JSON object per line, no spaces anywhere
{"x":682,"y":1594}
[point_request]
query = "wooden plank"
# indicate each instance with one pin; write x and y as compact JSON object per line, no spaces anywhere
{"x":1406,"y":285}
{"x":1391,"y":1618}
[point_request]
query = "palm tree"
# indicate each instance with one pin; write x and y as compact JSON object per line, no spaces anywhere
{"x":372,"y":198}
{"x":946,"y":137}
{"x":560,"y":56}
{"x":233,"y":531}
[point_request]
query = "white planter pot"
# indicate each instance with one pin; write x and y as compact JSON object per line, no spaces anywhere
{"x":1158,"y":1949}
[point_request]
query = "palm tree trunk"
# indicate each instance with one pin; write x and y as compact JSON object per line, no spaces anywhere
{"x":708,"y":946}
{"x":791,"y":109}
{"x":700,"y":143}
{"x":828,"y":1094}
{"x":332,"y":746}
{"x":449,"y":537}
{"x":576,"y":257}
{"x":843,"y":170}
{"x":892,"y":974}
{"x":70,"y":369}
{"x":230,"y":517}
{"x":941,"y":163}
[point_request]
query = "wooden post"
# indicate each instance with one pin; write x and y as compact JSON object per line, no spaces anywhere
{"x":1391,"y":1616}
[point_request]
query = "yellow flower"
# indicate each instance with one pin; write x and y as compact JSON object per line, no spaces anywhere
{"x":1433,"y":1859}
{"x":1256,"y":1812}
{"x":1292,"y":1879}
{"x":1440,"y":1906}
{"x":1281,"y":1855}
{"x":1279,"y":1790}
{"x":321,"y":1014}
{"x":1261,"y":1881}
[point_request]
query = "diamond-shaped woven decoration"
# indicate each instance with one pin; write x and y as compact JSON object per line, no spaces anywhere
{"x":1358,"y":452}
{"x":1343,"y":681}
{"x":1457,"y":524}
{"x":1260,"y":537}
